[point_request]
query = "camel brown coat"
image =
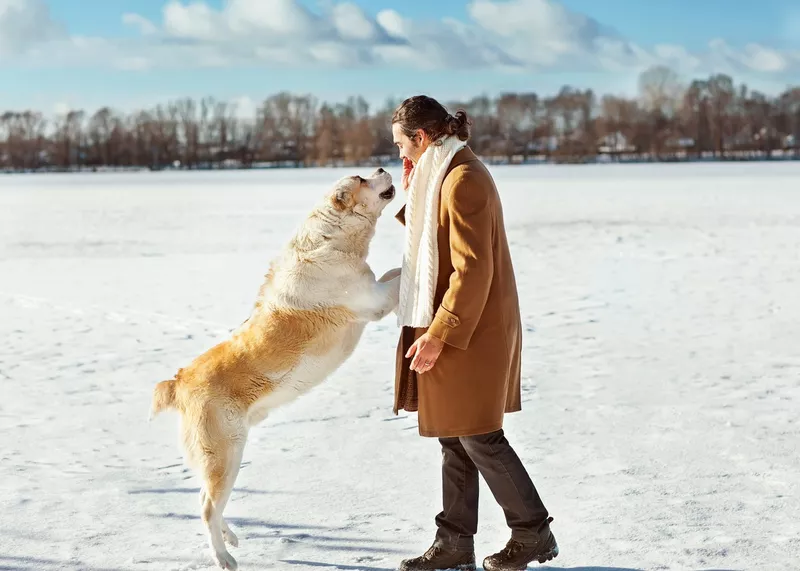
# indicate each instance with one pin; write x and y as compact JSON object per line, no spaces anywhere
{"x":476,"y":379}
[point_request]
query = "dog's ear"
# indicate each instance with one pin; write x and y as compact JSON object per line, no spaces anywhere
{"x":342,"y":197}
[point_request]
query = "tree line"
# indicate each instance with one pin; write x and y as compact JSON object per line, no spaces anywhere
{"x":709,"y":118}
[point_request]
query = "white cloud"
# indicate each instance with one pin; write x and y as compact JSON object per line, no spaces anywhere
{"x":544,"y":33}
{"x":335,"y":54}
{"x":677,"y":57}
{"x":762,"y":58}
{"x":544,"y":21}
{"x":393,"y":23}
{"x":351,"y":22}
{"x":255,"y":22}
{"x":284,"y":18}
{"x":194,"y":21}
{"x":276,"y":56}
{"x":510,"y":35}
{"x":133,"y":63}
{"x":145,"y":26}
{"x":24,"y":24}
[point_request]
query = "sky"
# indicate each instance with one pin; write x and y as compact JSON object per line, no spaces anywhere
{"x":131,"y":54}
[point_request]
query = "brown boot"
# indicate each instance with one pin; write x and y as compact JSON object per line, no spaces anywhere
{"x":516,"y":555}
{"x":439,"y":559}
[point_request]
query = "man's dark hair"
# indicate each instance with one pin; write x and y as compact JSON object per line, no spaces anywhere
{"x":423,"y":112}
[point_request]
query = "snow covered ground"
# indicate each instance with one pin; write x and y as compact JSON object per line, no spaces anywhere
{"x":661,"y":364}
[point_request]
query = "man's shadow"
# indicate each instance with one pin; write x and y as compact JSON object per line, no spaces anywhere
{"x":367,"y":568}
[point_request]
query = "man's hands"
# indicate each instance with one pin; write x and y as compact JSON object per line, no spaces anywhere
{"x":426,"y":351}
{"x":408,"y":166}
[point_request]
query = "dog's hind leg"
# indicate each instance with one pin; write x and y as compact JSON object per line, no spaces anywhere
{"x":229,"y":537}
{"x":216,"y":478}
{"x":221,"y":446}
{"x":233,"y":472}
{"x":220,"y":475}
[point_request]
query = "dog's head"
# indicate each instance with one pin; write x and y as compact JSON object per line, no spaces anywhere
{"x":359,"y":197}
{"x":348,"y":214}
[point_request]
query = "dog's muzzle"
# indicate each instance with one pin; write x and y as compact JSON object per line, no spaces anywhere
{"x":387,"y":194}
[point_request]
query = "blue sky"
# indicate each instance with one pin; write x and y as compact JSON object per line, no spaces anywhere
{"x":134,"y":53}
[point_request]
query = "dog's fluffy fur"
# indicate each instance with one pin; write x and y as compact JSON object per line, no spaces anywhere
{"x":309,"y":315}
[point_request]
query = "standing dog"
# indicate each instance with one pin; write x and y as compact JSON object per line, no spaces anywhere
{"x":309,"y":316}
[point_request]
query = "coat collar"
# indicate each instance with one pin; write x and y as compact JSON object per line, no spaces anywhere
{"x":465,"y":155}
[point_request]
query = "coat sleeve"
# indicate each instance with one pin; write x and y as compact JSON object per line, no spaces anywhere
{"x":471,"y":227}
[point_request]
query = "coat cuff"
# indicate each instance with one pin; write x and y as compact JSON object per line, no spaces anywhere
{"x":445,"y":328}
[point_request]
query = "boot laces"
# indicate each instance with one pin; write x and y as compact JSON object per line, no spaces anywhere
{"x":434,"y":551}
{"x":512,"y":548}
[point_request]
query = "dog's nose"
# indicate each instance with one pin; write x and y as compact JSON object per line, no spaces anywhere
{"x":380,"y":171}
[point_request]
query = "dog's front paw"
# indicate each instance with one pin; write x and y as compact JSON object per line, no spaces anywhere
{"x":226,"y":561}
{"x":394,"y":292}
{"x":229,"y":537}
{"x":390,"y":275}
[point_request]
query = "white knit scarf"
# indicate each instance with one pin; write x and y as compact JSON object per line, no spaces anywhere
{"x":421,"y":252}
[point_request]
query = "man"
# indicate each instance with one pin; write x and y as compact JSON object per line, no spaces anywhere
{"x":458,"y":360}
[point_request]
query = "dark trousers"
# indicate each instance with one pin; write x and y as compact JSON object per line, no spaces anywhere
{"x":491,"y":456}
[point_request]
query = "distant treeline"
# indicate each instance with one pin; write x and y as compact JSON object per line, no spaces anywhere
{"x":667,"y":121}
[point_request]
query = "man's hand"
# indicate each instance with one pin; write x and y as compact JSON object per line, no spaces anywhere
{"x":426,"y":351}
{"x":408,"y":166}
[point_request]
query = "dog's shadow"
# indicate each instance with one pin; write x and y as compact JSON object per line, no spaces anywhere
{"x":324,"y":537}
{"x":335,"y":565}
{"x":245,"y":522}
{"x":327,"y":539}
{"x":241,"y":491}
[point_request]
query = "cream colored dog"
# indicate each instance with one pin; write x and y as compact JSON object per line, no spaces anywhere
{"x":310,"y":313}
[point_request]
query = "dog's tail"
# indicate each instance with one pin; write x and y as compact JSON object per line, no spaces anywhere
{"x":163,"y":397}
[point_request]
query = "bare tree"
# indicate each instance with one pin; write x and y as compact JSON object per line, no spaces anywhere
{"x":575,"y":129}
{"x":511,"y":116}
{"x":355,"y":131}
{"x":100,"y":134}
{"x":789,"y":119}
{"x":660,"y":90}
{"x":721,"y":96}
{"x":184,"y":113}
{"x":696,"y":116}
{"x":69,"y":144}
{"x":325,"y":136}
{"x":660,"y":94}
{"x":619,"y":125}
{"x":710,"y":117}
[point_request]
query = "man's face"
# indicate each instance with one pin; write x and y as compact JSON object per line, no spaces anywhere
{"x":409,"y":148}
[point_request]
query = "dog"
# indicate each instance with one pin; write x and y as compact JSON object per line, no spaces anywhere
{"x":310,"y":313}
